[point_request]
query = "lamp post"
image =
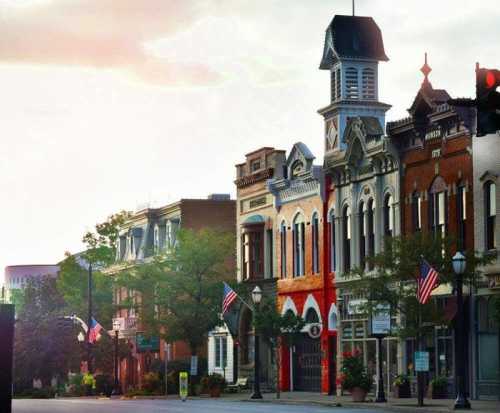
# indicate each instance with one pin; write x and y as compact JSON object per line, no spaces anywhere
{"x":256,"y":298}
{"x":461,"y":402}
{"x":116,"y":329}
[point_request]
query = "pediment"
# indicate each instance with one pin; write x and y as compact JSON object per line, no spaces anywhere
{"x":299,"y":161}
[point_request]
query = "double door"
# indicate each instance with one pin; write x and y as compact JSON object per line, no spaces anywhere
{"x":306,"y":364}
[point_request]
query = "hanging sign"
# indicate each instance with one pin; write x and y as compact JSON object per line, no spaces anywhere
{"x":421,"y":361}
{"x":183,"y":385}
{"x":314,"y":330}
{"x":381,"y":321}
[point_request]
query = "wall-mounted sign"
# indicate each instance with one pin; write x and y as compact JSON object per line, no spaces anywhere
{"x":145,"y":343}
{"x":381,"y":321}
{"x":421,"y":361}
{"x":314,"y":330}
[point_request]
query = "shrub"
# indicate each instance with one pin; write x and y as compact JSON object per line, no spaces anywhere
{"x":104,"y":384}
{"x":401,"y":380}
{"x":353,"y":372}
{"x":152,"y":382}
{"x":213,"y":381}
{"x":43,"y":393}
{"x":439,"y":382}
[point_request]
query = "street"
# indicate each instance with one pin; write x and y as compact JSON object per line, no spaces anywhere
{"x":171,"y":406}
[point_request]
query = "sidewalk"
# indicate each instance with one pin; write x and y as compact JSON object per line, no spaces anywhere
{"x":394,"y":405}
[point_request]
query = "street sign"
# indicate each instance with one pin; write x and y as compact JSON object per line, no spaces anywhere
{"x":194,"y":366}
{"x":381,"y":321}
{"x":183,"y":385}
{"x":421,"y":361}
{"x":147,"y":343}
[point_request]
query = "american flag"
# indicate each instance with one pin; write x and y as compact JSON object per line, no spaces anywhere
{"x":427,"y":281}
{"x":228,"y":298}
{"x":94,"y":331}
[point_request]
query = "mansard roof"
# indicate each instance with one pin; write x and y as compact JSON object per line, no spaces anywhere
{"x":352,"y":37}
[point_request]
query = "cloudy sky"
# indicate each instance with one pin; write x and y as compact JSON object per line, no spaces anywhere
{"x":110,"y":104}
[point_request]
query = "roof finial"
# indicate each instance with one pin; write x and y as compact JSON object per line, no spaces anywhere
{"x":353,"y":7}
{"x":426,"y":69}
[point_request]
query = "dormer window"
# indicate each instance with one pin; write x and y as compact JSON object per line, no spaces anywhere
{"x":351,"y":83}
{"x":368,"y":82}
{"x":255,"y":165}
{"x":297,"y":168}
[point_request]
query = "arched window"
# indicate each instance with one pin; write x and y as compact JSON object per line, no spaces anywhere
{"x":370,"y":230}
{"x":438,"y":206}
{"x":362,"y":234}
{"x":298,"y":246}
{"x":311,"y":316}
{"x":388,"y":216}
{"x":368,"y":82}
{"x":283,"y":249}
{"x":490,"y":214}
{"x":333,"y":261}
{"x":346,"y":235}
{"x":416,"y":211}
{"x":156,"y":239}
{"x":351,"y":83}
{"x":315,"y":243}
{"x":461,"y":215}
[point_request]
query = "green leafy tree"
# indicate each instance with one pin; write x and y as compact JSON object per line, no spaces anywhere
{"x":43,"y":349}
{"x":277,"y":330}
{"x":178,"y":294}
{"x":393,"y":280}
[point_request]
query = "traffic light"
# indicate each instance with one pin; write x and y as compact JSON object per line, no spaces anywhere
{"x":487,"y":100}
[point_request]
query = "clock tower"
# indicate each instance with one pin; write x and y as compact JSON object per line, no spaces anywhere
{"x":353,"y":47}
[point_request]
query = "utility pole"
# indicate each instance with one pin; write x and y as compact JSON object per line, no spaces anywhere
{"x":89,"y":321}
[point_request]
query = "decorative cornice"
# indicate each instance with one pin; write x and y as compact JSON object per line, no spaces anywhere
{"x":254,"y":178}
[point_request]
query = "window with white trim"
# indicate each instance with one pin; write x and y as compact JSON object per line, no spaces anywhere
{"x":368,"y":82}
{"x":351,"y":83}
{"x":220,"y":349}
{"x":346,"y":232}
{"x":490,"y":214}
{"x":315,"y":244}
{"x":298,"y":246}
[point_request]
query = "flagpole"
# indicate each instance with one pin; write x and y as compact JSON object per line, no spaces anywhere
{"x":420,"y":374}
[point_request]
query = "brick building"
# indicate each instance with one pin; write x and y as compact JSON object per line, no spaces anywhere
{"x":304,"y":286}
{"x":149,"y":232}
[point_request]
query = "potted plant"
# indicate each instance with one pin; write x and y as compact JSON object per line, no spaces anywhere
{"x":214,"y":383}
{"x":438,"y":387}
{"x":401,"y":387}
{"x":354,"y":377}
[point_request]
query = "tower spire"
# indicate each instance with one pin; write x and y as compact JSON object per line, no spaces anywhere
{"x":426,"y":69}
{"x":353,"y":7}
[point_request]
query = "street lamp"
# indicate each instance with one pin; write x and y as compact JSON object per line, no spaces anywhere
{"x":461,"y":403}
{"x":256,"y":298}
{"x":116,"y":329}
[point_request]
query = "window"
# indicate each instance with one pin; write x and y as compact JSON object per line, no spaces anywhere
{"x":220,"y":351}
{"x":368,"y":82}
{"x":346,"y":235}
{"x":416,"y":211}
{"x":438,"y":207}
{"x":490,"y":214}
{"x":351,"y":83}
{"x":156,"y":239}
{"x":132,"y":246}
{"x":248,"y":339}
{"x":255,"y":165}
{"x":311,"y":316}
{"x":283,"y":249}
{"x":461,"y":215}
{"x":315,"y":244}
{"x":333,"y":261}
{"x":370,"y":231}
{"x":333,"y":85}
{"x":362,"y":234}
{"x":252,"y":251}
{"x":339,"y":84}
{"x":298,"y":246}
{"x":270,"y":253}
{"x":388,"y":217}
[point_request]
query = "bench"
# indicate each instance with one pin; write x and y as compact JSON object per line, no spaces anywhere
{"x":241,"y":383}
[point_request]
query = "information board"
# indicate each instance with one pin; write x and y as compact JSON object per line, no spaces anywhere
{"x":421,"y":361}
{"x":381,"y":321}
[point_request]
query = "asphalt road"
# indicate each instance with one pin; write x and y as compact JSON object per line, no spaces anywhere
{"x":170,"y":406}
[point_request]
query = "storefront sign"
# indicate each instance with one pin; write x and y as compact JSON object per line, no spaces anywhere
{"x":356,"y":306}
{"x":314,"y":330}
{"x":145,"y":343}
{"x":381,"y":321}
{"x":421,"y":361}
{"x":194,"y":366}
{"x":183,"y":385}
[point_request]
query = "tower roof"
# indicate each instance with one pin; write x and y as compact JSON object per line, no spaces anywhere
{"x":355,"y":37}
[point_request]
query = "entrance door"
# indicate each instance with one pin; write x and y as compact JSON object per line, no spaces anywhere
{"x":307,"y":364}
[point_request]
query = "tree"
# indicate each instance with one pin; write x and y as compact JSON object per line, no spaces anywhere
{"x":277,"y":330}
{"x":178,"y":294}
{"x":393,"y":281}
{"x":44,"y":349}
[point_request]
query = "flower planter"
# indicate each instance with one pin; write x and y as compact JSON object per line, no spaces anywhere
{"x":358,"y":394}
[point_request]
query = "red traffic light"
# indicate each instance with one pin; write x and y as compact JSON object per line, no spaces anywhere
{"x":490,"y":79}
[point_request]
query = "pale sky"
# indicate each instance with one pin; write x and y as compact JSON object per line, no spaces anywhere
{"x":109,"y":104}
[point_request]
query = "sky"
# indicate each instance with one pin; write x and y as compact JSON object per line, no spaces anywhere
{"x":109,"y":105}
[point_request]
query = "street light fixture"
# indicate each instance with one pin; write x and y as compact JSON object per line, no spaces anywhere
{"x":461,"y":402}
{"x":116,"y":329}
{"x":256,"y":298}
